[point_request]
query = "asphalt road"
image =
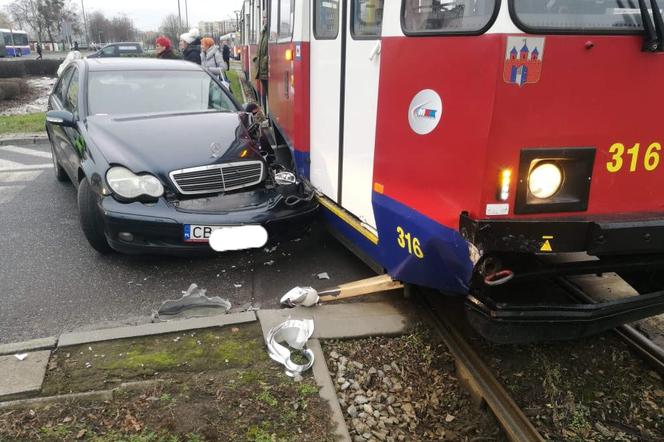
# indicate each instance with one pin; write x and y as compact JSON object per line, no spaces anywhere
{"x":52,"y":281}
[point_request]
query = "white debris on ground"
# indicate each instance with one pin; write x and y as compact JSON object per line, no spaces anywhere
{"x":36,"y":101}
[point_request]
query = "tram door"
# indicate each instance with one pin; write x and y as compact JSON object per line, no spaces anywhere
{"x":345,"y":64}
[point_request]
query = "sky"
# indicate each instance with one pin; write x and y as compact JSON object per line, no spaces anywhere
{"x":147,"y":14}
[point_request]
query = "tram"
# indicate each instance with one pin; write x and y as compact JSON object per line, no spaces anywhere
{"x":15,"y":42}
{"x":459,"y":145}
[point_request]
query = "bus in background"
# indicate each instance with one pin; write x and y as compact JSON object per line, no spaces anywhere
{"x":15,"y":42}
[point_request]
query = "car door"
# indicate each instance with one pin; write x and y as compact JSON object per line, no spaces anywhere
{"x":74,"y":143}
{"x":57,"y":134}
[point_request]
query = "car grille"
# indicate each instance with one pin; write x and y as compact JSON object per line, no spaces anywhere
{"x":217,"y":177}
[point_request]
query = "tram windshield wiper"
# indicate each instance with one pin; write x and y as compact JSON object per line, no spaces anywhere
{"x":651,"y":42}
{"x":659,"y":24}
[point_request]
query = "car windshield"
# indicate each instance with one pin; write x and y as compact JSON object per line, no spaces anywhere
{"x":140,"y":92}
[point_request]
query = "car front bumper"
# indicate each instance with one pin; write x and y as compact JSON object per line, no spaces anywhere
{"x":158,"y":228}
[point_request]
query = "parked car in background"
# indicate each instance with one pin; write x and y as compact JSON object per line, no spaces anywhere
{"x":125,"y":49}
{"x":162,"y":156}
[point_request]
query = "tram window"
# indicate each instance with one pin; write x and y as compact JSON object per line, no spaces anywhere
{"x":578,"y":15}
{"x":367,"y":18}
{"x":286,"y":18}
{"x":326,"y":19}
{"x":274,"y":20}
{"x":447,"y":16}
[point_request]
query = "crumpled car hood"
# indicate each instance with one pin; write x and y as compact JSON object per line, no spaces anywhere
{"x":159,"y":144}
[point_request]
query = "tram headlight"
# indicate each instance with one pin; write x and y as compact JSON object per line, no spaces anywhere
{"x":545,"y":180}
{"x":554,"y":180}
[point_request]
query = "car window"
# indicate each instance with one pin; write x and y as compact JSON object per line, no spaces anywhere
{"x":62,"y":84}
{"x":140,"y":92}
{"x":71,"y":97}
{"x":286,"y":18}
{"x":274,"y":20}
{"x":109,"y":51}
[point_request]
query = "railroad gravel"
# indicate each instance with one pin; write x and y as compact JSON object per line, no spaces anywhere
{"x":404,"y":389}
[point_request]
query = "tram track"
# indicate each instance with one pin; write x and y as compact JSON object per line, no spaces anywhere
{"x":639,"y":342}
{"x":478,"y":377}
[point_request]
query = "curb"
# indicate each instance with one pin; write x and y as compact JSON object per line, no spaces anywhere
{"x":27,"y":346}
{"x":327,"y":391}
{"x":108,"y":334}
{"x":99,"y":395}
{"x":27,"y":138}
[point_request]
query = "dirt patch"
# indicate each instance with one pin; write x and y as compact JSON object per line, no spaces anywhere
{"x":218,"y":384}
{"x":587,"y":390}
{"x":404,"y":388}
{"x":35,"y":99}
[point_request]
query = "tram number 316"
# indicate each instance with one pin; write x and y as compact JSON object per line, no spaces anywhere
{"x":647,"y":158}
{"x":407,"y":241}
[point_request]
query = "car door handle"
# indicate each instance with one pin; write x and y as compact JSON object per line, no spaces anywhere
{"x":375,"y":51}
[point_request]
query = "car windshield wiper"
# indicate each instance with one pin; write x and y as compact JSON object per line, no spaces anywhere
{"x":651,"y":41}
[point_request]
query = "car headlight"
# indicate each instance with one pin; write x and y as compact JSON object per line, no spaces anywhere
{"x":545,"y":180}
{"x":127,"y":184}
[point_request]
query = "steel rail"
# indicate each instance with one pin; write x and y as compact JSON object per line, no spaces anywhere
{"x":513,"y":421}
{"x":650,"y":351}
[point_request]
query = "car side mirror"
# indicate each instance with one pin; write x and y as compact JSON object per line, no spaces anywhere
{"x":61,"y":118}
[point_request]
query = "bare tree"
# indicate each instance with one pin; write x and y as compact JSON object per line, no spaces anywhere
{"x":99,"y":27}
{"x":170,"y":27}
{"x":123,"y":28}
{"x":24,"y":14}
{"x":4,"y":20}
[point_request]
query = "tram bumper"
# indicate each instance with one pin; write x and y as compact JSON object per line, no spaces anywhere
{"x":634,"y":243}
{"x":505,"y":323}
{"x":605,"y":236}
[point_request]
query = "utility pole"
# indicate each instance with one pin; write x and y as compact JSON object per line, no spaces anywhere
{"x":85,"y":24}
{"x":179,"y":19}
{"x":186,"y":13}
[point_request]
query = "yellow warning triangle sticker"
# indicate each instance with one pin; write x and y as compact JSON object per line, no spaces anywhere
{"x":546,"y":247}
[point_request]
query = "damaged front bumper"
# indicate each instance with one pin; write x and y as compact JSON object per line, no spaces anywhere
{"x":503,"y":308}
{"x":159,"y":227}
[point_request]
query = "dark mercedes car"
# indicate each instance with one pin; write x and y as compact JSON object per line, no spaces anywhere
{"x":162,"y":156}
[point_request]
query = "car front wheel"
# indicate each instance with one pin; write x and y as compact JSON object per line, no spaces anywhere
{"x":91,"y":221}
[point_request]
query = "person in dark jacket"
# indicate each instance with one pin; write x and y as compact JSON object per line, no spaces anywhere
{"x":39,"y":51}
{"x":262,"y":65}
{"x":164,"y":48}
{"x":190,"y":45}
{"x":226,"y":55}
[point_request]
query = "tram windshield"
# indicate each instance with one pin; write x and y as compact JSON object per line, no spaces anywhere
{"x":604,"y":16}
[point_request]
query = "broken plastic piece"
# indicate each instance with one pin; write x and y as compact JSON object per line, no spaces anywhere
{"x":295,"y":333}
{"x":193,"y":298}
{"x":304,"y":296}
{"x":285,"y":178}
{"x":21,"y":356}
{"x":323,"y":275}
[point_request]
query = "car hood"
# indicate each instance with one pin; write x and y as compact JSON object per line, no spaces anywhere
{"x":159,"y":144}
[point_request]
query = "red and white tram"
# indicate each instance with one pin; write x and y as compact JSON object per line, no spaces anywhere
{"x":452,"y":141}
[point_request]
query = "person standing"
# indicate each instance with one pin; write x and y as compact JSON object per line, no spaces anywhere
{"x":164,"y":48}
{"x":226,"y":52}
{"x":262,"y":65}
{"x":76,"y":46}
{"x":190,"y":45}
{"x":39,"y":51}
{"x":211,"y":57}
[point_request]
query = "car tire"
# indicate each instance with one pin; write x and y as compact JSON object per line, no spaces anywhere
{"x":91,"y":221}
{"x":60,"y":173}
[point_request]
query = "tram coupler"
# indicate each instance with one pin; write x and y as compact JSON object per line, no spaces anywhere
{"x":505,"y":313}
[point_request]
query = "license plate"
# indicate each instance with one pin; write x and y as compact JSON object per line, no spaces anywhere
{"x":196,"y":233}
